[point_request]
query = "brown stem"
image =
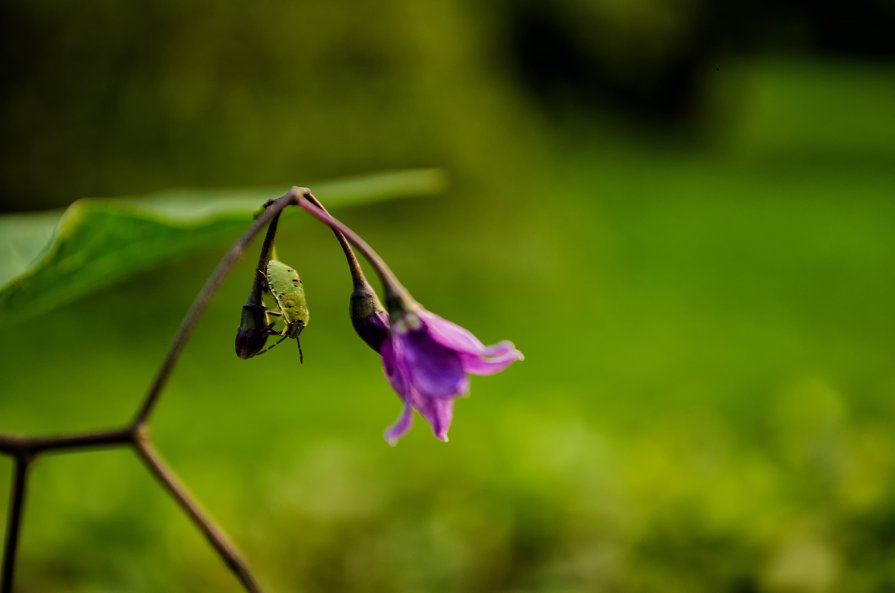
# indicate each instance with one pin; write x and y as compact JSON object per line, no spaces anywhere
{"x":394,"y":290}
{"x":14,"y":524}
{"x":357,"y":274}
{"x":18,"y":445}
{"x":200,"y":517}
{"x":254,"y":307}
{"x":268,"y":250}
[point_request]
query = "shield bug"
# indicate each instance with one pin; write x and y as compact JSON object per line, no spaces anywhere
{"x":283,"y":283}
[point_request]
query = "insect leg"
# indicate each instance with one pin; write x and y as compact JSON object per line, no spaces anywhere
{"x":272,"y":345}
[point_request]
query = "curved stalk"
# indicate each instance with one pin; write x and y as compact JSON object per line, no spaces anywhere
{"x":357,"y":274}
{"x":395,"y":293}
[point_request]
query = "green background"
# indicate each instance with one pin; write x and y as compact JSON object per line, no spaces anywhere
{"x":682,"y":214}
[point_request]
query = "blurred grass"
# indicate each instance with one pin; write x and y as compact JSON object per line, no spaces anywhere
{"x":706,"y":403}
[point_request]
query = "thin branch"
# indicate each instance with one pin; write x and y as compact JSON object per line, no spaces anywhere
{"x":200,"y":517}
{"x":394,"y":290}
{"x":204,"y":297}
{"x":14,"y":523}
{"x":357,"y":274}
{"x":18,"y":445}
{"x":256,"y":301}
{"x":11,"y":444}
{"x":268,"y":252}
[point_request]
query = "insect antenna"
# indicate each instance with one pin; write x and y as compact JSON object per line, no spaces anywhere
{"x":301,"y":356}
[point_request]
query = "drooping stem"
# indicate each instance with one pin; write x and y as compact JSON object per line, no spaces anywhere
{"x":14,"y":521}
{"x":394,"y":290}
{"x":203,"y":521}
{"x":254,"y":307}
{"x":357,"y":274}
{"x":268,"y":251}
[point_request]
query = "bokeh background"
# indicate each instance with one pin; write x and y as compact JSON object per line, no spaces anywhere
{"x":681,"y":212}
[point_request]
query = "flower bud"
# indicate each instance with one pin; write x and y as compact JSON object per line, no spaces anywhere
{"x":253,"y":331}
{"x":369,"y":319}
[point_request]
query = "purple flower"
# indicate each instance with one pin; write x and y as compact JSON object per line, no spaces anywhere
{"x":428,"y":359}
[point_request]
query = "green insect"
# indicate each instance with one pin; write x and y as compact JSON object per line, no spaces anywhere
{"x":284,"y":284}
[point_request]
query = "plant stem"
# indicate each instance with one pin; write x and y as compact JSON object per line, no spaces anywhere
{"x":254,"y":320}
{"x":268,"y":251}
{"x":200,"y":517}
{"x":357,"y":274}
{"x":395,"y":293}
{"x":16,"y":445}
{"x":14,"y":523}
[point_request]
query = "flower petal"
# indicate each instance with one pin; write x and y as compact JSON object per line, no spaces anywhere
{"x":431,"y":368}
{"x":503,"y":348}
{"x":438,"y":412}
{"x":451,"y":335}
{"x":394,"y":369}
{"x":481,"y":365}
{"x":400,"y":427}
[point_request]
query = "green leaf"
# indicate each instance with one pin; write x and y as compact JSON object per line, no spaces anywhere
{"x":49,"y":258}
